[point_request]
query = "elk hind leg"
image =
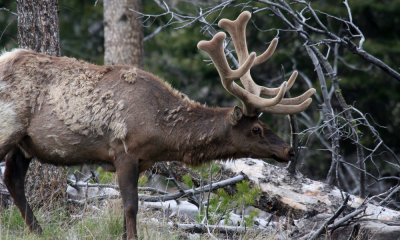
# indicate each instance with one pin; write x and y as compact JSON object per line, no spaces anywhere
{"x":14,"y":178}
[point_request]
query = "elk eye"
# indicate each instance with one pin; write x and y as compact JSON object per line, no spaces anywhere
{"x":256,"y":131}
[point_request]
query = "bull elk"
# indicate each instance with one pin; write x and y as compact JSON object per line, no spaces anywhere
{"x":69,"y":112}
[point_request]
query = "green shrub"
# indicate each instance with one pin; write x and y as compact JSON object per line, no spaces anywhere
{"x":222,"y":204}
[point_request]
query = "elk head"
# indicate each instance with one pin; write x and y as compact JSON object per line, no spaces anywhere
{"x":250,"y":135}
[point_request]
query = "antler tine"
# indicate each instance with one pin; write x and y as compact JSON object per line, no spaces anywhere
{"x":299,"y":99}
{"x":215,"y":50}
{"x":287,"y":109}
{"x":273,"y":91}
{"x":237,"y":30}
{"x":268,"y":53}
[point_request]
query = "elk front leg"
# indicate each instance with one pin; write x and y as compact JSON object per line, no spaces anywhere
{"x":14,"y":178}
{"x":128,"y":172}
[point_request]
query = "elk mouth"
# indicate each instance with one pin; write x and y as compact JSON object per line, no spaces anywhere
{"x":279,"y":159}
{"x":288,"y":155}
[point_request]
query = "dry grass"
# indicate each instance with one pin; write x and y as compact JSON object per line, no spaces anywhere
{"x":105,"y":224}
{"x":92,"y":224}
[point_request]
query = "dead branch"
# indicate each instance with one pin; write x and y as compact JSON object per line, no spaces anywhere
{"x":93,"y":199}
{"x":316,"y":234}
{"x":178,"y":170}
{"x":191,"y":192}
{"x":203,"y":228}
{"x":294,"y":141}
{"x":346,"y":218}
{"x":80,"y":185}
{"x":171,"y":176}
{"x":9,"y":11}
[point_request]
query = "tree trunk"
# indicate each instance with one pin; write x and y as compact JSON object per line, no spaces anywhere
{"x":38,"y":30}
{"x":38,"y":26}
{"x":123,"y":35}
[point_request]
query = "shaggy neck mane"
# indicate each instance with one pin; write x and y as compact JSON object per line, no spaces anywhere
{"x":198,"y":133}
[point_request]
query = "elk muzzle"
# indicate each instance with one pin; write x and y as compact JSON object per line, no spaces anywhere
{"x":286,"y":155}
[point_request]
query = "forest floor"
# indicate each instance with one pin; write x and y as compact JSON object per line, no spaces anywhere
{"x":105,"y":223}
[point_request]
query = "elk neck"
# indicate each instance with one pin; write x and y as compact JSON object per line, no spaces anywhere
{"x":198,"y":134}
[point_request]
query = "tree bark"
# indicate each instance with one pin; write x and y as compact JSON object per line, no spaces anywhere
{"x":123,"y":35}
{"x":38,"y":30}
{"x":38,"y":26}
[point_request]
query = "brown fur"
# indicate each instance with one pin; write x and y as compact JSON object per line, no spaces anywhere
{"x":67,"y":112}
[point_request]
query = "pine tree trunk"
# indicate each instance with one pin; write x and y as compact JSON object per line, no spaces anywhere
{"x":38,"y":26}
{"x":38,"y":30}
{"x":123,"y":34}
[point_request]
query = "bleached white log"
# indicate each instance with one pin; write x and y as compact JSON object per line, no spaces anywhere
{"x":308,"y":196}
{"x":302,"y":193}
{"x":182,"y":209}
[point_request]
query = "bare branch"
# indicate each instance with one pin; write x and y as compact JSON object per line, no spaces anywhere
{"x":346,"y":218}
{"x":9,"y":11}
{"x":320,"y":230}
{"x":191,"y":192}
{"x":203,"y":228}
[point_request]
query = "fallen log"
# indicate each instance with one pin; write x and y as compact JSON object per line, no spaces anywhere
{"x":311,"y":203}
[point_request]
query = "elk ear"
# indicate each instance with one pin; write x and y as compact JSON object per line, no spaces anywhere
{"x":236,"y":115}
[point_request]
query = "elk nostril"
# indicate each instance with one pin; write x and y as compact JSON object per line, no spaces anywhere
{"x":291,"y":153}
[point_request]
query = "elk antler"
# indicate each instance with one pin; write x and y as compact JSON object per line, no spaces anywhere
{"x":250,"y":95}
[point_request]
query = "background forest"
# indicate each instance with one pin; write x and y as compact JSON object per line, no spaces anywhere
{"x":172,"y":55}
{"x":170,"y":52}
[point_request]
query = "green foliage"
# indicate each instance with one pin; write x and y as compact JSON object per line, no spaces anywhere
{"x":222,"y":204}
{"x":11,"y":217}
{"x":249,"y":221}
{"x":142,"y":180}
{"x":187,"y":179}
{"x":105,"y":177}
{"x":81,"y":30}
{"x":204,"y":169}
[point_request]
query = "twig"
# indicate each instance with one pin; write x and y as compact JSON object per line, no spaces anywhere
{"x":390,"y":195}
{"x":202,"y":228}
{"x":346,"y":218}
{"x":294,"y":141}
{"x":181,"y":190}
{"x":316,"y":234}
{"x":153,"y":34}
{"x":76,"y":185}
{"x":190,"y":192}
{"x":144,"y":189}
{"x":94,"y":198}
{"x":354,"y":232}
{"x":9,"y":11}
{"x":329,"y":115}
{"x":172,"y":177}
{"x":208,"y":197}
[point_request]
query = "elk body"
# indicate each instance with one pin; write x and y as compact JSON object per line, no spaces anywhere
{"x":68,"y":112}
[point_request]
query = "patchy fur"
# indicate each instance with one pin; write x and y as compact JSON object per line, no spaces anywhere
{"x":9,"y":122}
{"x":71,"y":89}
{"x":129,"y":75}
